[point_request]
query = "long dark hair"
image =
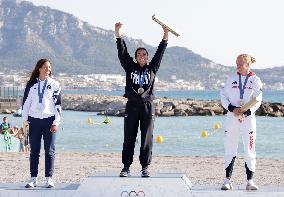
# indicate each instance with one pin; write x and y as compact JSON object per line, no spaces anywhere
{"x":35,"y":72}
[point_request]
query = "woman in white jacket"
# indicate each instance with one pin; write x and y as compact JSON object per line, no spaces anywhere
{"x":42,"y":109}
{"x":239,"y":89}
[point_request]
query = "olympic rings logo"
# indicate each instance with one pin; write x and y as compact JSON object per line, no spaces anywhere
{"x":132,"y":194}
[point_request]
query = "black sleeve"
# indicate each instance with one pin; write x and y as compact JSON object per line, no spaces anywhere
{"x":156,"y":60}
{"x":27,"y":90}
{"x":123,"y":55}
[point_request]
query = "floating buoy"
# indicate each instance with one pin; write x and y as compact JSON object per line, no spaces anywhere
{"x":217,"y":126}
{"x":107,"y":120}
{"x":90,"y":121}
{"x":204,"y":134}
{"x":159,"y":139}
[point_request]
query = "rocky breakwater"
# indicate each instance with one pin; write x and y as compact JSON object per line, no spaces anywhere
{"x":115,"y":106}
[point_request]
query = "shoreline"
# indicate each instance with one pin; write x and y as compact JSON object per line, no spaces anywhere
{"x":115,"y":106}
{"x":74,"y":167}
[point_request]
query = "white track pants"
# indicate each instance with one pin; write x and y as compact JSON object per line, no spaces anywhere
{"x":247,"y":130}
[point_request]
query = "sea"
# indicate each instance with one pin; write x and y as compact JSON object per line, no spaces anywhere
{"x":182,"y":136}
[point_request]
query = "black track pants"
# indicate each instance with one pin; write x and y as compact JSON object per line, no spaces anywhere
{"x":135,"y":112}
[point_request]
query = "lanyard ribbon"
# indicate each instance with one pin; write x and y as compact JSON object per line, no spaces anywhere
{"x":242,"y":88}
{"x":40,"y":94}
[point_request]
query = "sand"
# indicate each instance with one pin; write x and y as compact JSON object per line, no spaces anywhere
{"x":74,"y":167}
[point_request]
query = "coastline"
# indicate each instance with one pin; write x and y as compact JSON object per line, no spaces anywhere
{"x":115,"y":106}
{"x":74,"y":167}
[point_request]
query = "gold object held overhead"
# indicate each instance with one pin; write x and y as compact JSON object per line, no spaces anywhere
{"x":163,"y":24}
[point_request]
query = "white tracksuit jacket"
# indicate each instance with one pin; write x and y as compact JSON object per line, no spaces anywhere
{"x":230,"y":95}
{"x":51,"y":100}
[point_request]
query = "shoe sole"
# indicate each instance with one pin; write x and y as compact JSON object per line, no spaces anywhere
{"x":121,"y":175}
{"x":251,"y":189}
{"x":145,"y":176}
{"x":28,"y":186}
{"x":50,"y":186}
{"x":226,"y":189}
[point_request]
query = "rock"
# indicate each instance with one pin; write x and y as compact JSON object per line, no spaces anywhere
{"x":183,"y":107}
{"x":168,"y":113}
{"x":180,"y":112}
{"x":197,"y":107}
{"x":7,"y":111}
{"x":115,"y":106}
{"x":166,"y":108}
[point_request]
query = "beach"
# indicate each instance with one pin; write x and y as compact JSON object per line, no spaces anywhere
{"x":74,"y":167}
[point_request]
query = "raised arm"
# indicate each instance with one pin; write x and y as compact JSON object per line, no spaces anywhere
{"x":123,"y":54}
{"x":117,"y":28}
{"x":156,"y":60}
{"x":166,"y":33}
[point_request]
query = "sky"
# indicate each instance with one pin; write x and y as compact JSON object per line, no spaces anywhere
{"x":215,"y":29}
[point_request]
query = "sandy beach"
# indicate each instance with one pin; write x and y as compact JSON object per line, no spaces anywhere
{"x":71,"y":167}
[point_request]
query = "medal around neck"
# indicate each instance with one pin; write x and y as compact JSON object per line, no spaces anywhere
{"x":140,"y":91}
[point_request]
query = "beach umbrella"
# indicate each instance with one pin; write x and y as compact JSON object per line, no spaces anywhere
{"x":159,"y":139}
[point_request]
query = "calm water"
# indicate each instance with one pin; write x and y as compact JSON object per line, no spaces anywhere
{"x":181,"y":135}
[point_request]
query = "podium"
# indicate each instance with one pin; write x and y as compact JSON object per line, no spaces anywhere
{"x":109,"y":185}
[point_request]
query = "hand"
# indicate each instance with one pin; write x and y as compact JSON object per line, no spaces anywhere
{"x":237,"y":112}
{"x":165,"y":29}
{"x":166,"y":32}
{"x":242,"y":118}
{"x":53,"y":128}
{"x":117,"y":27}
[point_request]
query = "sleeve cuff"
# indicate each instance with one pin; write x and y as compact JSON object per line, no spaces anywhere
{"x":231,"y":107}
{"x":247,"y":113}
{"x":56,"y":123}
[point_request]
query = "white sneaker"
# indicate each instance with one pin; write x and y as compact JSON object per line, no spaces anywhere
{"x":227,"y":185}
{"x":32,"y":183}
{"x":251,"y":185}
{"x":49,"y":183}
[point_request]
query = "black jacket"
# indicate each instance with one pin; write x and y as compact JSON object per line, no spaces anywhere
{"x":134,"y":72}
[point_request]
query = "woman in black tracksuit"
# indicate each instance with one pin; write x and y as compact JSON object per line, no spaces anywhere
{"x":140,"y":78}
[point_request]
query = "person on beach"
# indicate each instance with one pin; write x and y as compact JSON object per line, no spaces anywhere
{"x":42,"y":111}
{"x":21,"y":136}
{"x":140,"y":78}
{"x":5,"y":125}
{"x":239,"y":89}
{"x":6,"y":130}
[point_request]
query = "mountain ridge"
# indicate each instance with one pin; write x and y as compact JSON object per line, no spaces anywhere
{"x":29,"y":32}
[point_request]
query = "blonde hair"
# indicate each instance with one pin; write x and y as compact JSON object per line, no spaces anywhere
{"x":247,"y":58}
